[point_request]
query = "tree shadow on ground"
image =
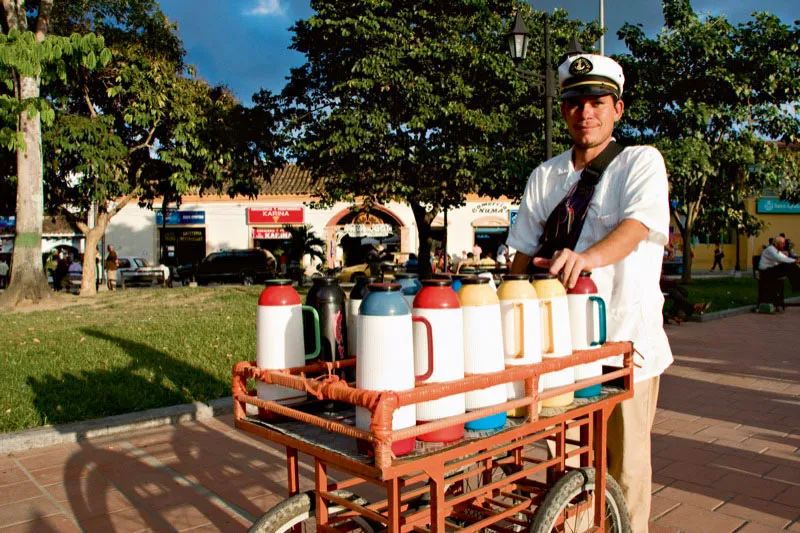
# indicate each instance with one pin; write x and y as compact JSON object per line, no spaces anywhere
{"x":177,"y":478}
{"x":151,"y":379}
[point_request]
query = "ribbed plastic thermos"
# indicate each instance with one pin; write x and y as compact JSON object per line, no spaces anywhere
{"x":483,"y":353}
{"x":327,"y":297}
{"x":386,"y":355}
{"x":279,"y":337}
{"x":587,"y":314}
{"x":522,"y":337}
{"x":357,"y":294}
{"x":410,"y":284}
{"x":440,"y":306}
{"x":556,"y":334}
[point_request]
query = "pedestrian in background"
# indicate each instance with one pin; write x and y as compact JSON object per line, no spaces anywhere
{"x":111,"y":268}
{"x":718,"y":255}
{"x":3,"y":273}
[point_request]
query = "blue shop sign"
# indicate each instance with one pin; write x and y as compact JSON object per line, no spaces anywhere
{"x":175,"y":218}
{"x":8,"y":222}
{"x":512,"y":217}
{"x":776,"y":206}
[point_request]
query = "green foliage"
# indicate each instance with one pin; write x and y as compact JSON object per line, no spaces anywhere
{"x":21,"y":55}
{"x":141,"y":125}
{"x":713,"y":97}
{"x":304,"y":242}
{"x":417,"y":101}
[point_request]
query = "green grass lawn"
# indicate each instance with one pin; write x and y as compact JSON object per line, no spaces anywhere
{"x":122,"y":352}
{"x":724,"y":293}
{"x":143,"y":348}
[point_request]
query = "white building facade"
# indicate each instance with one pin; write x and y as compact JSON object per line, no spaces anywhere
{"x":207,"y":224}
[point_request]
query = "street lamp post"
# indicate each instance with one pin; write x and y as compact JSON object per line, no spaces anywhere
{"x":518,"y":45}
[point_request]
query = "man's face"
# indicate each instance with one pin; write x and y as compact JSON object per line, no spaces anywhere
{"x":590,"y":119}
{"x":780,"y":244}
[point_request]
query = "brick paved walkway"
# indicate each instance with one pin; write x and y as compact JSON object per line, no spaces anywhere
{"x":725,"y":453}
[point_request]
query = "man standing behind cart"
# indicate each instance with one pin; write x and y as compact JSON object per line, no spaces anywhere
{"x":616,"y":226}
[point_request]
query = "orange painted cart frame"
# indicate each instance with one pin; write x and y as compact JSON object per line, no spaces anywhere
{"x":431,"y":488}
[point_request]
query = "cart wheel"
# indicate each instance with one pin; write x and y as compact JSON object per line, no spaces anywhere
{"x":299,"y":510}
{"x":576,"y":488}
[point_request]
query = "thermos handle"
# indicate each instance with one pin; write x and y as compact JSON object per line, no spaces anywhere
{"x":429,"y":329}
{"x":550,"y":336}
{"x":317,"y":341}
{"x":601,"y":311}
{"x":521,"y":307}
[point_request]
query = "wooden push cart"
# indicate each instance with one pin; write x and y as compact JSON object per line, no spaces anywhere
{"x":501,"y":480}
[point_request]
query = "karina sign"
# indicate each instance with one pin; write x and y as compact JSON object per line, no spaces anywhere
{"x":275,"y":215}
{"x":271,"y":233}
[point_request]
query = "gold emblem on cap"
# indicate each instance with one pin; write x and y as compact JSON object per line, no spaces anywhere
{"x":580,"y":66}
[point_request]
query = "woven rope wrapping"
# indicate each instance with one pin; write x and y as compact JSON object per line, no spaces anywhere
{"x":382,"y":404}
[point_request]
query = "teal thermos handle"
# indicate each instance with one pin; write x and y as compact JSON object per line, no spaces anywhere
{"x":317,"y":341}
{"x":601,"y":310}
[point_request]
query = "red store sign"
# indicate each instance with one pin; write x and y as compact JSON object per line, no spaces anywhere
{"x":271,"y":233}
{"x":276,"y":215}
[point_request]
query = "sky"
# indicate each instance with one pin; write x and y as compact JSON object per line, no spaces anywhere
{"x":244,"y":44}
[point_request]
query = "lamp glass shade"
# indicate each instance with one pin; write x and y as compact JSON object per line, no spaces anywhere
{"x":518,"y":45}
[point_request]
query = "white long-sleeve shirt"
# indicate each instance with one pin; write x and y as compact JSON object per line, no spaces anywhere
{"x":771,"y":257}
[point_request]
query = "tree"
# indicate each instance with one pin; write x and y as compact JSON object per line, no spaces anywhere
{"x":417,"y":102}
{"x":30,"y":59}
{"x":304,"y":242}
{"x":712,"y":96}
{"x":144,"y":128}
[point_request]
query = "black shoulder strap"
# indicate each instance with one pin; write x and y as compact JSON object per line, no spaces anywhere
{"x":594,"y":171}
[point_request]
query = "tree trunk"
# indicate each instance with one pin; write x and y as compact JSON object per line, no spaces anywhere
{"x":424,"y":219}
{"x":686,"y":233}
{"x":28,"y":280}
{"x":89,"y":277}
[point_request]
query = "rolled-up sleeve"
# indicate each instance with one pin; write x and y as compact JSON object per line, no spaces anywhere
{"x":527,"y":230}
{"x":645,"y":194}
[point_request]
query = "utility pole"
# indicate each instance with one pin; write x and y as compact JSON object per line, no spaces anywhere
{"x":602,"y":25}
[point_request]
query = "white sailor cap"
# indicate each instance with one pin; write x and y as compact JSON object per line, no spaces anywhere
{"x":590,"y":74}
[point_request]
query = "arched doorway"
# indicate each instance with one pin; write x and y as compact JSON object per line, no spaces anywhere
{"x":353,"y":233}
{"x":489,"y":232}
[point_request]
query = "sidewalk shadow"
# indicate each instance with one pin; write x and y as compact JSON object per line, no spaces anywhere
{"x":767,"y":415}
{"x":710,"y":464}
{"x":175,"y":479}
{"x":151,"y":379}
{"x":168,"y":479}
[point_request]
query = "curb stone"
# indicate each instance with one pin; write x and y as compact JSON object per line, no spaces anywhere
{"x":113,"y":425}
{"x":735,"y":311}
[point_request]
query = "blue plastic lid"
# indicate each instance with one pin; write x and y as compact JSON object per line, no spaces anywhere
{"x":384,"y":299}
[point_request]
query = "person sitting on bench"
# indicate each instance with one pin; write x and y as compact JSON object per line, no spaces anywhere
{"x":776,"y":264}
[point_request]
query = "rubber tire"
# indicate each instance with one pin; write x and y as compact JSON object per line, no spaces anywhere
{"x":247,"y":278}
{"x":569,"y":486}
{"x":299,"y":508}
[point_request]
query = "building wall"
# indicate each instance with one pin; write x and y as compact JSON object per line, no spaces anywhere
{"x":133,"y":231}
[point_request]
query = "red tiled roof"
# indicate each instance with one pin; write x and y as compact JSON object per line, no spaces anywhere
{"x":290,"y":179}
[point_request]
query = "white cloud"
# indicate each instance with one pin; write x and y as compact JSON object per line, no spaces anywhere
{"x":266,"y":7}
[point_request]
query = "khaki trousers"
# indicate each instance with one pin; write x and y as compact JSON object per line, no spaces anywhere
{"x":628,"y":445}
{"x":629,"y":456}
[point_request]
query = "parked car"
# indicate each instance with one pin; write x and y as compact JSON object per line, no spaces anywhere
{"x":230,"y":266}
{"x":138,"y":271}
{"x":353,"y":272}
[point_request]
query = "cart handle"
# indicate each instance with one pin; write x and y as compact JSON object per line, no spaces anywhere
{"x":601,"y":311}
{"x":429,"y":331}
{"x":317,"y":341}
